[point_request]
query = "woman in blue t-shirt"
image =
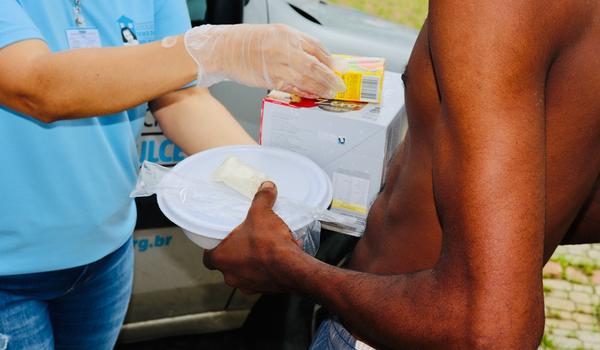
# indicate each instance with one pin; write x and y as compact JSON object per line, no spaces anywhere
{"x":73,"y":75}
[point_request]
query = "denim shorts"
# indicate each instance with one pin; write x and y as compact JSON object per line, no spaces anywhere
{"x":333,"y":336}
{"x":77,"y":308}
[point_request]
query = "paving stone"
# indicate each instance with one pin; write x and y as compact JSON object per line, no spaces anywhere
{"x":595,"y":279}
{"x":562,"y":324}
{"x":584,"y":309}
{"x":566,"y":315}
{"x":578,"y":249}
{"x":580,"y":298}
{"x":575,"y":275}
{"x":559,"y":285}
{"x":583,"y":288}
{"x":588,"y":336}
{"x":560,"y":332}
{"x":552,"y":270}
{"x":592,"y":345}
{"x":589,"y":327}
{"x":594,"y":254}
{"x":566,"y":343}
{"x":559,"y":314}
{"x":560,"y":304}
{"x":584,"y":318}
{"x":558,"y":294}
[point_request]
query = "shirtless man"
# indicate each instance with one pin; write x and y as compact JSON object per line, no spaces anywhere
{"x":500,"y":164}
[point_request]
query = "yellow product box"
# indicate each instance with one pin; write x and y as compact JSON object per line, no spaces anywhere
{"x":363,"y":77}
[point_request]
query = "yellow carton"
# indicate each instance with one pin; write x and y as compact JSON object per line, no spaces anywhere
{"x":363,"y":77}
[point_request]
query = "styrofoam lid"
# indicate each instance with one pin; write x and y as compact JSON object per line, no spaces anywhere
{"x":297,"y":178}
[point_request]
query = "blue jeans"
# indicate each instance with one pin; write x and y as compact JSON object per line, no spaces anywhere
{"x":77,"y":308}
{"x":331,"y":335}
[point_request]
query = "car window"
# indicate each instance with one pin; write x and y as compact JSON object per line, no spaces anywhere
{"x":197,"y":11}
{"x":216,"y":11}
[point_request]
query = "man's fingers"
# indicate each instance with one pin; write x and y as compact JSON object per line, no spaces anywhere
{"x":265,"y":197}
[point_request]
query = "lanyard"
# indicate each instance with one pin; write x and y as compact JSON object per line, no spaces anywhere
{"x":78,"y":17}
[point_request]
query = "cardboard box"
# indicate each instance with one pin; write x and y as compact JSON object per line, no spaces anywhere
{"x":352,"y":141}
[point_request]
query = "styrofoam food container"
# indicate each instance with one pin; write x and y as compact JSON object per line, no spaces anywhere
{"x":297,"y":178}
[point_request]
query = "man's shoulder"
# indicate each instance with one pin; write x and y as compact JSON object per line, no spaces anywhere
{"x":556,"y":20}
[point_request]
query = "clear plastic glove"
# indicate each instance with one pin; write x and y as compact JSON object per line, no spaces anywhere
{"x":266,"y":56}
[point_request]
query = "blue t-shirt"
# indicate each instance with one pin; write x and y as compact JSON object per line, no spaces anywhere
{"x":64,"y":187}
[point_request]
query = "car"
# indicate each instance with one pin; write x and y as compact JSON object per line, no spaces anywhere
{"x":173,"y":293}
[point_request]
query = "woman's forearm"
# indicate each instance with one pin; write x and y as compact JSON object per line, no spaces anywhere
{"x":90,"y":82}
{"x":196,"y":121}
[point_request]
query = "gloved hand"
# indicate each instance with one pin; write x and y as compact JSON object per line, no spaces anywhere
{"x":266,"y":56}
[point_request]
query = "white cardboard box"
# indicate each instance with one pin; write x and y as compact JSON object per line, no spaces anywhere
{"x":352,"y":142}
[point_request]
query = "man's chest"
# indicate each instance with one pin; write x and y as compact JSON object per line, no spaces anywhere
{"x":421,"y":91}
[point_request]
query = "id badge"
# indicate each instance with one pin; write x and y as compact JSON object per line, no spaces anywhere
{"x":81,"y":38}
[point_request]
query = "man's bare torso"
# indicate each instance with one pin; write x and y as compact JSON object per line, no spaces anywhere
{"x":403,"y":230}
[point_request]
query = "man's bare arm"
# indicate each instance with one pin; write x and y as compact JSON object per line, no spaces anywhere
{"x":489,"y":167}
{"x":87,"y":82}
{"x":195,"y":120}
{"x":489,"y":185}
{"x":489,"y":162}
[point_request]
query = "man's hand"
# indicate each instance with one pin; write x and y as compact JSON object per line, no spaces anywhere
{"x":252,"y":255}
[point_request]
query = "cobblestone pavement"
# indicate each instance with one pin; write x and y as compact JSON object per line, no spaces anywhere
{"x":572,"y":296}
